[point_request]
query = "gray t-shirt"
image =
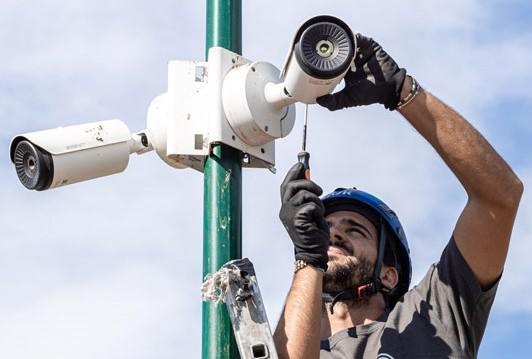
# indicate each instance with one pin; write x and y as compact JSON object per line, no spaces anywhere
{"x":444,"y":316}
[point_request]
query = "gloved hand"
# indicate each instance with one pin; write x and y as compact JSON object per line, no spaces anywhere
{"x":377,"y":79}
{"x":302,"y":216}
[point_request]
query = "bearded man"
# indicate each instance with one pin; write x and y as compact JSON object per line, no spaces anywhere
{"x":350,"y":295}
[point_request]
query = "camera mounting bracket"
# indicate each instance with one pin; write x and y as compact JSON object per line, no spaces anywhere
{"x":186,"y":121}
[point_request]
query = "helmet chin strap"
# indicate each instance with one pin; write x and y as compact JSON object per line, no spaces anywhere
{"x":370,"y":288}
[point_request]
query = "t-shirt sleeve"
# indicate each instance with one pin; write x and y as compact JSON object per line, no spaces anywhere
{"x":456,"y":299}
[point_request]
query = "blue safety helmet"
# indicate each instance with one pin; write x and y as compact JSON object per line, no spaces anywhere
{"x":391,"y":234}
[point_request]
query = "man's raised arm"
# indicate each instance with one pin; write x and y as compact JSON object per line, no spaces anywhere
{"x":483,"y":230}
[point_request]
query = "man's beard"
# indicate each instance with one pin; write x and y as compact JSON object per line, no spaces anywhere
{"x":346,"y":272}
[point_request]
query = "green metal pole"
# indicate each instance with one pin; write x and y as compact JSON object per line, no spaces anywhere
{"x":222,"y":211}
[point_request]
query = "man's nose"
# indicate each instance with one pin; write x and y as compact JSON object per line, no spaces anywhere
{"x":336,"y":236}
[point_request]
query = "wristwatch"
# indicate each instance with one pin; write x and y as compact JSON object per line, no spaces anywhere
{"x":300,"y":264}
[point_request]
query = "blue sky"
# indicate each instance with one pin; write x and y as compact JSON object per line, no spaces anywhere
{"x":111,"y":268}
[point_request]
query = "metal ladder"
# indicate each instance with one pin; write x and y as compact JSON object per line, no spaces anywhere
{"x":236,"y":285}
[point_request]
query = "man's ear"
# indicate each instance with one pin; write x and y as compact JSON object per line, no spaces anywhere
{"x":389,"y":276}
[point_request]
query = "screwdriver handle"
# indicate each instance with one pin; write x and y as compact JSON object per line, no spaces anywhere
{"x":304,"y":157}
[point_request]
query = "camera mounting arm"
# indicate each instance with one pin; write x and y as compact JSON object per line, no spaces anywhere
{"x":140,"y":143}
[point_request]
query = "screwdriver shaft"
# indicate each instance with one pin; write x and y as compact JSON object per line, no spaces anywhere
{"x":304,"y":156}
{"x":305,"y":129}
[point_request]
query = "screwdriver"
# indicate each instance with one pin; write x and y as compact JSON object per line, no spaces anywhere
{"x":303,"y":156}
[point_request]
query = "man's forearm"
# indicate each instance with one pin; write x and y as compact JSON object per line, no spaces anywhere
{"x":298,"y":332}
{"x":482,"y":172}
{"x":483,"y":230}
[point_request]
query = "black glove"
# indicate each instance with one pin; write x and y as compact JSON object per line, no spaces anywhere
{"x":377,"y":79}
{"x":302,"y":216}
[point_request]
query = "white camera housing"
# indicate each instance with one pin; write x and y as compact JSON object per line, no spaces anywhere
{"x":65,"y":155}
{"x":320,"y":54}
{"x":258,"y":101}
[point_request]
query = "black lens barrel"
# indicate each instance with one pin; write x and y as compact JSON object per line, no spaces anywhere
{"x":324,"y":47}
{"x":34,"y":166}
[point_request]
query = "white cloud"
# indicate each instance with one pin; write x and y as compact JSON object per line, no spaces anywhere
{"x":134,"y":312}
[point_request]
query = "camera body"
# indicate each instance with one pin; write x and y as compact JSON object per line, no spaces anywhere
{"x":320,"y":54}
{"x":258,"y":99}
{"x":65,"y":155}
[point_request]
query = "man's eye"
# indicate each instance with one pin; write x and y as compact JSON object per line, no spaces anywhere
{"x":354,"y":230}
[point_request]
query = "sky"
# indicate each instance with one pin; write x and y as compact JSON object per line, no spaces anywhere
{"x":112,"y":268}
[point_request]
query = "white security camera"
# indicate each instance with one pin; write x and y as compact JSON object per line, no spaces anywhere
{"x":258,"y":99}
{"x":65,"y":155}
{"x":321,"y":53}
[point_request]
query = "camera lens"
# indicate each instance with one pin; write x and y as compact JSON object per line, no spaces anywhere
{"x":325,"y":48}
{"x":29,"y":165}
{"x":34,"y":166}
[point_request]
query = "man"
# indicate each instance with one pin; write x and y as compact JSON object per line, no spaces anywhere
{"x":349,"y":297}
